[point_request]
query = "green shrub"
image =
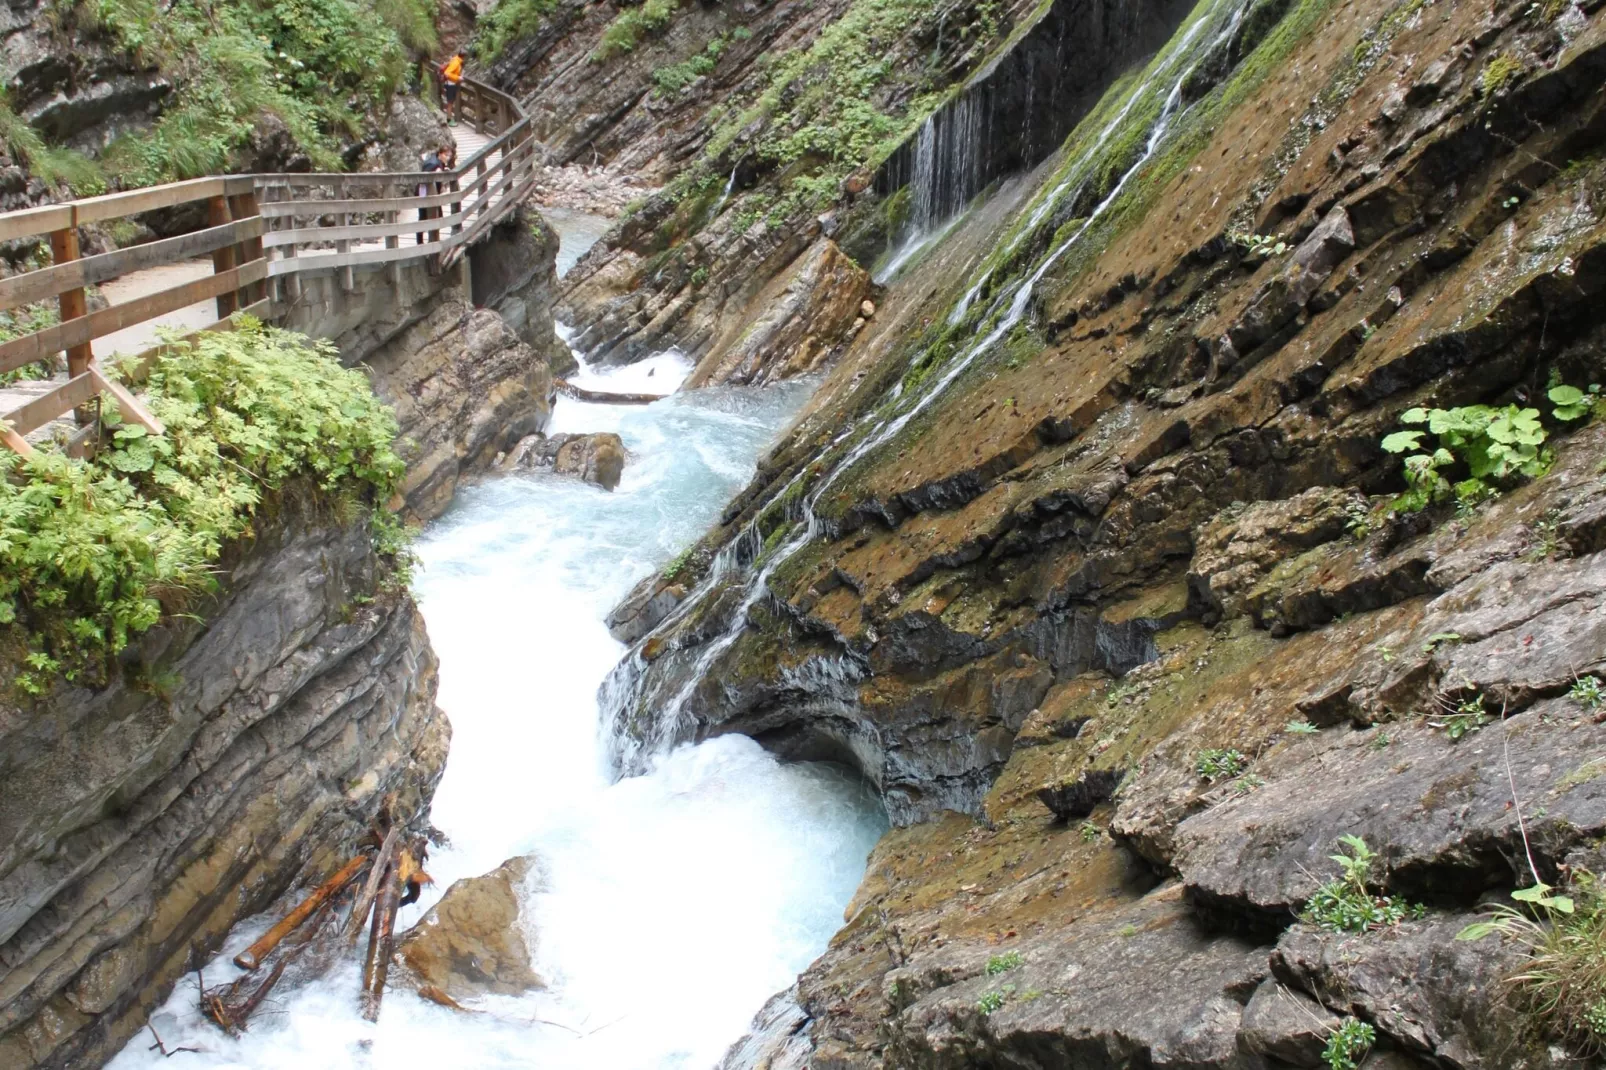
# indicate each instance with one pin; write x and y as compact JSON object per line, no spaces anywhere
{"x":1348,"y":1044}
{"x":1587,"y":692}
{"x":1497,"y":446}
{"x":316,"y":65}
{"x":1562,"y":986}
{"x":1346,"y":903}
{"x":1218,"y":764}
{"x":507,"y":22}
{"x":630,"y":25}
{"x":92,"y":553}
{"x":997,"y":964}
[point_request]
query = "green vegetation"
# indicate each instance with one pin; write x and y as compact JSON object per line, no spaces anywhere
{"x":506,"y":23}
{"x":1258,"y":245}
{"x":630,"y":25}
{"x":1587,"y":692}
{"x":997,"y":964}
{"x":1500,"y":73}
{"x":93,"y":553}
{"x":678,"y":565}
{"x":995,"y":999}
{"x":1562,"y":987}
{"x":1495,"y":446}
{"x":318,"y":67}
{"x":1300,"y":728}
{"x":1217,"y":764}
{"x":1089,"y":832}
{"x":1468,"y":716}
{"x":1348,"y":1044}
{"x":28,"y":147}
{"x":1346,"y":904}
{"x":678,"y":76}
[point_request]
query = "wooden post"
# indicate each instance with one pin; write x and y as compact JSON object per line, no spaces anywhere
{"x":64,"y":247}
{"x":394,"y":191}
{"x":217,"y":214}
{"x":244,"y":206}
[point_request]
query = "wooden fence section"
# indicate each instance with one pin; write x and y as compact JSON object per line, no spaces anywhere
{"x":262,"y":232}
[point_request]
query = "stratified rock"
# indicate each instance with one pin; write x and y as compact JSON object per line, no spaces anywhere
{"x":412,"y":128}
{"x":472,"y":942}
{"x":1236,"y":549}
{"x":644,"y":608}
{"x":140,"y":821}
{"x":1438,"y":813}
{"x":514,"y":273}
{"x":795,"y":321}
{"x":1285,"y":1024}
{"x":465,"y":388}
{"x":596,"y":458}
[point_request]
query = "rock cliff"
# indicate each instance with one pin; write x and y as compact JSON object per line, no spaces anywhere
{"x":1086,"y":556}
{"x":139,"y":822}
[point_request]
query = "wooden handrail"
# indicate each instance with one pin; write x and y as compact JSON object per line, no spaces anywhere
{"x":260,"y":229}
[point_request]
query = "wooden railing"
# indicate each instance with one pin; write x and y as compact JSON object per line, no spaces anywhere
{"x":263,"y":232}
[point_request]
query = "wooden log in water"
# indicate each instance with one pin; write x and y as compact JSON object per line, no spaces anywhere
{"x":382,"y":935}
{"x":252,"y":957}
{"x":604,"y":397}
{"x":383,"y":862}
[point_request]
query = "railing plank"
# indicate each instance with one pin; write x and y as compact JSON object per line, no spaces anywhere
{"x":79,"y":390}
{"x":93,"y":270}
{"x":34,"y":347}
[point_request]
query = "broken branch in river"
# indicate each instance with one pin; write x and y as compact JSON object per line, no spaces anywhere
{"x":252,"y":957}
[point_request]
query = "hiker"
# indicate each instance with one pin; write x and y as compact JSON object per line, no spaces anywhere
{"x":433,"y":160}
{"x":451,"y":82}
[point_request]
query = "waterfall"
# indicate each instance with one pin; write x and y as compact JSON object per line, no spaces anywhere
{"x":630,"y":690}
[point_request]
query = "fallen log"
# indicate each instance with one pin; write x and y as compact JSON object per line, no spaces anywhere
{"x":252,"y":957}
{"x":382,"y":933}
{"x":383,"y":862}
{"x":604,"y":397}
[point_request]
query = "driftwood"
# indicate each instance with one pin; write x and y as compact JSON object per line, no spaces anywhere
{"x":382,"y":933}
{"x":604,"y":397}
{"x":252,"y":957}
{"x":382,"y":863}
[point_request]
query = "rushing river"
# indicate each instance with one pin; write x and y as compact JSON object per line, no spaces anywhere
{"x":666,"y":908}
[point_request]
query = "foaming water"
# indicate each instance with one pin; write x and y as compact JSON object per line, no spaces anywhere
{"x":667,"y":907}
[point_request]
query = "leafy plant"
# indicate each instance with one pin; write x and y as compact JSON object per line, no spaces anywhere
{"x":1090,"y":832}
{"x":93,"y":553}
{"x":1587,"y":692}
{"x":1257,"y":245}
{"x":630,"y":25}
{"x":1220,"y":764}
{"x":1497,"y":446}
{"x":1469,"y":716}
{"x":507,"y":22}
{"x":1346,"y":904}
{"x":1348,"y":1044}
{"x":1563,"y":983}
{"x":995,"y":999}
{"x":1300,"y":728}
{"x":997,"y":964}
{"x":1572,"y":403}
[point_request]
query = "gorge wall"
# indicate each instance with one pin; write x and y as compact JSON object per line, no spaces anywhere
{"x":1099,"y":496}
{"x":142,"y":820}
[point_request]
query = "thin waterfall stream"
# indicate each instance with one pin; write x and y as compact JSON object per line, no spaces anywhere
{"x":666,"y":908}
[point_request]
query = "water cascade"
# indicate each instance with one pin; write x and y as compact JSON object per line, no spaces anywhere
{"x":667,"y":907}
{"x":648,"y":710}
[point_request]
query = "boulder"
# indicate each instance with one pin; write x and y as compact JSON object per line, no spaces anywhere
{"x":472,"y":943}
{"x":596,"y":458}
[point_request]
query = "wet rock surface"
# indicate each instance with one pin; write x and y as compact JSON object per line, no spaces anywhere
{"x":473,"y":942}
{"x":1151,"y":525}
{"x":595,"y":458}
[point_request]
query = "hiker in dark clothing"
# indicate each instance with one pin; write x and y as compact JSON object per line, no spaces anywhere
{"x":433,"y":160}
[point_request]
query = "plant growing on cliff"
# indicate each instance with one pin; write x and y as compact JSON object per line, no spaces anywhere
{"x":1348,"y":1044}
{"x":506,"y":23}
{"x":1496,"y":445}
{"x":630,"y":25}
{"x":1563,"y":984}
{"x":1220,"y":764}
{"x":1587,"y":692}
{"x":1346,"y":904}
{"x":997,"y":964}
{"x":994,"y":999}
{"x":93,"y":553}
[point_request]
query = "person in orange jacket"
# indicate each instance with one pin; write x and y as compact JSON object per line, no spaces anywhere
{"x":451,"y":82}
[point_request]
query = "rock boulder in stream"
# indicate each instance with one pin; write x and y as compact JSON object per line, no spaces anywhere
{"x":595,"y":458}
{"x":472,"y":943}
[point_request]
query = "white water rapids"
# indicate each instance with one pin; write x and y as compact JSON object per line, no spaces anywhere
{"x":667,"y":907}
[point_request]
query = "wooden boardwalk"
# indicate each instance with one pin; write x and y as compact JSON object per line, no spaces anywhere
{"x":262,"y":233}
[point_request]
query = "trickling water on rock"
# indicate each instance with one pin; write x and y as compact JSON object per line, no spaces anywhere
{"x":667,"y":907}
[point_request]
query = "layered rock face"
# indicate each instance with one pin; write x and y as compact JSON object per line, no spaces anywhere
{"x":1099,"y":494}
{"x":140,"y":822}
